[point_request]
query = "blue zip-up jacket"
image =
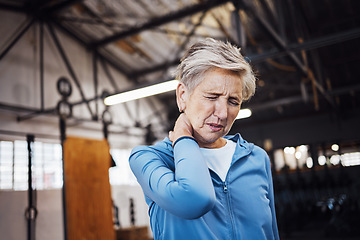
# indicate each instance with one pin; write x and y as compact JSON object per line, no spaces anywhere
{"x":188,"y":201}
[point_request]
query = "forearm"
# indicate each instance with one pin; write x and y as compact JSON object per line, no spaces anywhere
{"x":194,"y":184}
{"x":188,"y":192}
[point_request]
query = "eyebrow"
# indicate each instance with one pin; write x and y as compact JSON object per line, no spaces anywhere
{"x":238,"y":98}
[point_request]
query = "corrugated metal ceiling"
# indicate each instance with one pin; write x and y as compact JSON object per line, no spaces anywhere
{"x":305,"y":52}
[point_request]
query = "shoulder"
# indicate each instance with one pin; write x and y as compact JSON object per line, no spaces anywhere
{"x":242,"y":142}
{"x":259,"y":151}
{"x":261,"y":155}
{"x":159,"y":147}
{"x":160,"y":153}
{"x":252,"y":149}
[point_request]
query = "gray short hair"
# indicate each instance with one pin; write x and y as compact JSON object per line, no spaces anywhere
{"x":210,"y":53}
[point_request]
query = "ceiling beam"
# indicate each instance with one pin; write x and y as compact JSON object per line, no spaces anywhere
{"x":273,"y":54}
{"x":168,"y":64}
{"x":68,"y":65}
{"x":308,"y":45}
{"x":159,"y":67}
{"x":276,"y":38}
{"x":254,"y":107}
{"x":87,"y":45}
{"x":12,"y":7}
{"x":158,"y":21}
{"x":59,"y":6}
{"x":22,"y":31}
{"x":31,"y":8}
{"x":297,"y":99}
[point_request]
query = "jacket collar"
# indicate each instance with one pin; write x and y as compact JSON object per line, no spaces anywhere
{"x":243,"y":148}
{"x":165,"y":149}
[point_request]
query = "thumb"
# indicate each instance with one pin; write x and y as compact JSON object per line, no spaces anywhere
{"x":171,"y":135}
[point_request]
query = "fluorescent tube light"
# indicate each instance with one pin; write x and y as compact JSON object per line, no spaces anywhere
{"x":244,"y":113}
{"x":141,"y":92}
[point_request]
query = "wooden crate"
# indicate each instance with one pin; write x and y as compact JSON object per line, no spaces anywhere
{"x":133,"y":233}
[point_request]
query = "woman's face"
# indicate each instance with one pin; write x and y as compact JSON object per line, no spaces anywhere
{"x":213,"y":106}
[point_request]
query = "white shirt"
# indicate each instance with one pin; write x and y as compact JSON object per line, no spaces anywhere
{"x":219,"y":159}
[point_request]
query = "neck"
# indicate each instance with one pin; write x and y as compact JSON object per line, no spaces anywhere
{"x":217,"y":144}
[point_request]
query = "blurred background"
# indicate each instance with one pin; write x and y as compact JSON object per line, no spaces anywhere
{"x":60,"y":59}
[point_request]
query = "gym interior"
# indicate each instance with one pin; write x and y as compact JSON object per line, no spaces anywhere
{"x":64,"y":171}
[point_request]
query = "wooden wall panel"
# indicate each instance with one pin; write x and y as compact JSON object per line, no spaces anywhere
{"x":87,"y":189}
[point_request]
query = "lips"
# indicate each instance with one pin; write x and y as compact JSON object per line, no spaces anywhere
{"x":215,"y":127}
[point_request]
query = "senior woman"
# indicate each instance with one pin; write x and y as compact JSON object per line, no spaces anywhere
{"x":199,"y":183}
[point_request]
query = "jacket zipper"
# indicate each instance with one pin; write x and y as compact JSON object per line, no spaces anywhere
{"x":225,"y":188}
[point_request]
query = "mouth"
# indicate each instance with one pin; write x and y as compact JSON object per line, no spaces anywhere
{"x":215,"y":127}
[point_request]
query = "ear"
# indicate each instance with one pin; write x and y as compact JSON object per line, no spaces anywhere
{"x":181,"y":96}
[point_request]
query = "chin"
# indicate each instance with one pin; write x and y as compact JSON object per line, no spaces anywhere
{"x":210,"y":139}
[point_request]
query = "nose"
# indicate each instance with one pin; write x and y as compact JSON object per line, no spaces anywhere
{"x":221,"y":110}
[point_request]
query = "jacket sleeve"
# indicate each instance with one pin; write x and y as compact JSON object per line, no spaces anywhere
{"x":188,"y":191}
{"x":272,"y":199}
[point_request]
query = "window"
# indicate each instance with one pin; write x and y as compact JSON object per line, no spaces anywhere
{"x":46,"y":169}
{"x":47,"y":166}
{"x":6,"y":165}
{"x":351,"y":159}
{"x":121,"y":174}
{"x":292,"y":157}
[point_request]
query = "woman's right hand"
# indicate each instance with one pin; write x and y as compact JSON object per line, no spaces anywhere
{"x":182,"y":128}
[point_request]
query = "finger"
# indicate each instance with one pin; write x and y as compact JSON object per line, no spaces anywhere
{"x":171,"y":133}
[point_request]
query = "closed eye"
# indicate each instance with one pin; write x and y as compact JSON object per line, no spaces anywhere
{"x":211,"y":97}
{"x":234,"y":101}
